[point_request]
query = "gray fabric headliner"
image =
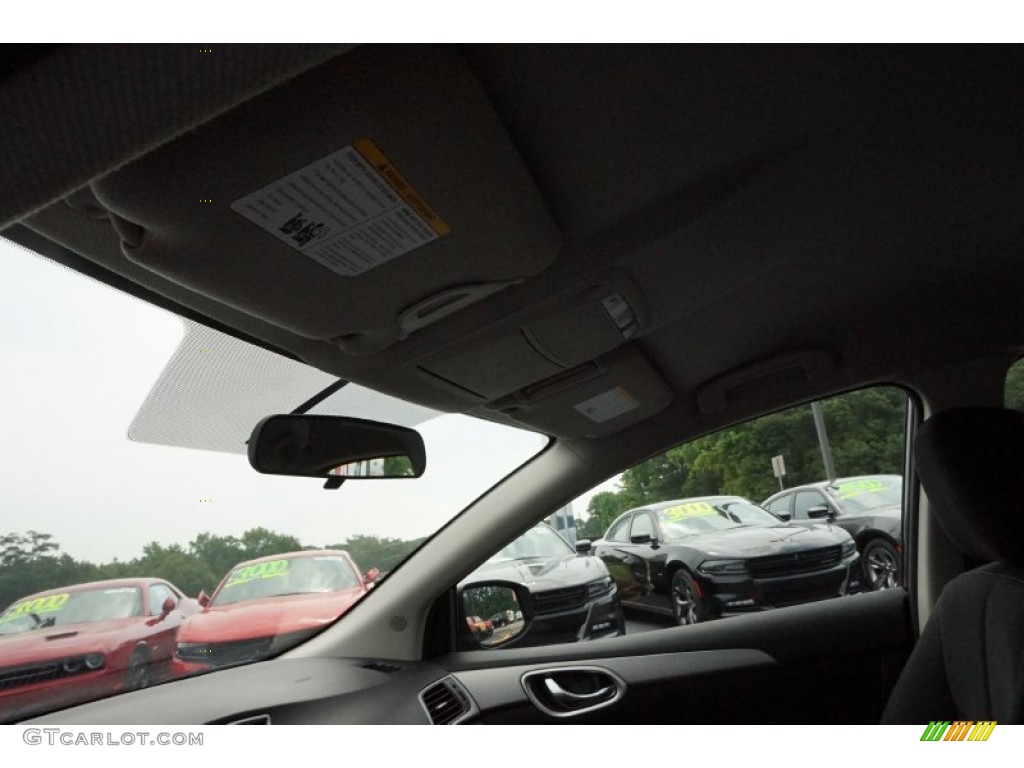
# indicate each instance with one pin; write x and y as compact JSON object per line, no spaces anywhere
{"x":765,"y":200}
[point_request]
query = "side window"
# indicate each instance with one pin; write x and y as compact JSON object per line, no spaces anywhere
{"x":157,"y":594}
{"x":642,"y":525}
{"x":719,"y":551}
{"x":620,"y":531}
{"x":804,"y":501}
{"x":1014,"y":391}
{"x":783,"y":504}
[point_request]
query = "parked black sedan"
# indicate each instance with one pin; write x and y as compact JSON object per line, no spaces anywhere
{"x":868,"y":507}
{"x":702,"y":558}
{"x":564,"y":595}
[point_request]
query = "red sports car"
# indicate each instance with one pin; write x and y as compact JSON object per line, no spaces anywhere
{"x":267,"y":605}
{"x":78,"y":643}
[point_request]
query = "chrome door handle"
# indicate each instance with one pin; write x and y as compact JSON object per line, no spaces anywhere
{"x":551,"y":697}
{"x":571,"y":700}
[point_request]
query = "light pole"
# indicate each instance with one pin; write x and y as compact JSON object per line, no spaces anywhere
{"x":826,"y":449}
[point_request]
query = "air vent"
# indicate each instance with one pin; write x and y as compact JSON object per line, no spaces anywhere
{"x":380,"y":666}
{"x":254,"y":720}
{"x":446,"y":702}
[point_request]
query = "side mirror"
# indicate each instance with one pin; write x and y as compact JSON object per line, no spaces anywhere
{"x":203,"y":599}
{"x":784,"y":516}
{"x":643,"y":538}
{"x":821,"y":511}
{"x":583,"y":546}
{"x":480,"y":602}
{"x":169,"y":605}
{"x":371,"y":576}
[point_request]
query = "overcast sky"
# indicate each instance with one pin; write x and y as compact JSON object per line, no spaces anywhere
{"x":80,"y":359}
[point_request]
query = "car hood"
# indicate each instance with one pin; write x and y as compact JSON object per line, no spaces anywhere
{"x":541,"y":573}
{"x":59,"y":642}
{"x":267,"y":616}
{"x":758,"y":541}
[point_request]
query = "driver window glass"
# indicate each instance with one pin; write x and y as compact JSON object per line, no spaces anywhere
{"x":157,"y":594}
{"x":1014,"y":388}
{"x":804,"y":501}
{"x":720,"y":551}
{"x":642,"y":526}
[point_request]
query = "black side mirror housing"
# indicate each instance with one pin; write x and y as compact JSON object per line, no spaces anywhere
{"x":583,"y":546}
{"x":821,"y":511}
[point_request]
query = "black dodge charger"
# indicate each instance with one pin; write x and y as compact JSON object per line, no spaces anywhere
{"x":698,"y":559}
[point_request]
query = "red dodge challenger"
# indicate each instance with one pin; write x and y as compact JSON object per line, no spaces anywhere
{"x":265,"y":606}
{"x":78,"y":643}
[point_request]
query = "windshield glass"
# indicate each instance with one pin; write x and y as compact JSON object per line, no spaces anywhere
{"x":695,"y":517}
{"x":288,"y":576}
{"x":150,"y":415}
{"x":868,"y":493}
{"x":539,"y":541}
{"x":77,"y":607}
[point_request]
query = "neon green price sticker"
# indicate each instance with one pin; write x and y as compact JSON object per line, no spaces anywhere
{"x":48,"y":604}
{"x":857,"y":487}
{"x":692,"y":509}
{"x":271,"y":570}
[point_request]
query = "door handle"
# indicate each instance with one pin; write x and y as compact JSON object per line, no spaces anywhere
{"x":571,"y":700}
{"x":550,"y":690}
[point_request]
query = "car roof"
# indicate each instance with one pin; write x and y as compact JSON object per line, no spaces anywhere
{"x":631,"y":251}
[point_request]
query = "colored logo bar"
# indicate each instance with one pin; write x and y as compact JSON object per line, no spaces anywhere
{"x":958,"y":730}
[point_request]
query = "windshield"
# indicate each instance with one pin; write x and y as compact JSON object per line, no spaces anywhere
{"x":78,"y":607}
{"x":695,"y":517}
{"x":150,"y":414}
{"x":291,"y":576}
{"x":864,"y":494}
{"x":539,"y":541}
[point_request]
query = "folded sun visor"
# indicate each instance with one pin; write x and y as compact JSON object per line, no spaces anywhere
{"x":347,"y":204}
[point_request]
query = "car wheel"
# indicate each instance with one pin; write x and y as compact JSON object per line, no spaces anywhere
{"x":687,"y":606}
{"x":881,"y":563}
{"x":137,"y":674}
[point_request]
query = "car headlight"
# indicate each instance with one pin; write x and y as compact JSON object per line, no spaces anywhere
{"x":722,"y":567}
{"x":849,"y":547}
{"x":74,"y":665}
{"x":599,"y":587}
{"x":94,"y":661}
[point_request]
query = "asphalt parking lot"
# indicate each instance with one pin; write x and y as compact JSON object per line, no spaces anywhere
{"x":638,"y":621}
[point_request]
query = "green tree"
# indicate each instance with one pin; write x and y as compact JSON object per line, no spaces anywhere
{"x":866,"y":433}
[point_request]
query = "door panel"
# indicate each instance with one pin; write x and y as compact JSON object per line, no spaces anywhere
{"x":830,"y":662}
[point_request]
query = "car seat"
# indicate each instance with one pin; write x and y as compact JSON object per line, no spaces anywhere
{"x":967,"y":664}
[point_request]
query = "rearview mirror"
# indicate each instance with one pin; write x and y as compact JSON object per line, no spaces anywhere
{"x":335,"y":448}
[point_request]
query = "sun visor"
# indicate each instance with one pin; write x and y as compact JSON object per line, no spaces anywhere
{"x":356,"y":203}
{"x":597,"y":399}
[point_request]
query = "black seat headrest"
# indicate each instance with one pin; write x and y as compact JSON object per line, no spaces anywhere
{"x":971,"y":465}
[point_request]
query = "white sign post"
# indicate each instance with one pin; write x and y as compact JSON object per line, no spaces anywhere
{"x":779,"y":469}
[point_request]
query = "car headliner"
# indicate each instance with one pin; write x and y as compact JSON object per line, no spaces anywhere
{"x":786,"y":222}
